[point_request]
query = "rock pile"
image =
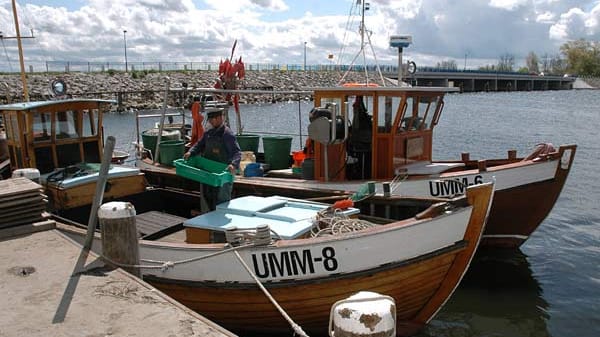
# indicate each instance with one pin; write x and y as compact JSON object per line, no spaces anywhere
{"x":144,"y":90}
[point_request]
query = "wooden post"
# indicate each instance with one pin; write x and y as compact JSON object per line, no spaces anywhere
{"x":512,"y":154}
{"x":465,"y":156}
{"x":99,"y":194}
{"x":482,"y":165}
{"x":119,"y":234}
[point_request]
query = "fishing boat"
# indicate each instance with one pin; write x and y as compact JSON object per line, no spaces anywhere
{"x":276,"y":264}
{"x":389,"y":141}
{"x":63,"y":140}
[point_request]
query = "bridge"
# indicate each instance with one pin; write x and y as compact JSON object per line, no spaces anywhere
{"x":474,"y":81}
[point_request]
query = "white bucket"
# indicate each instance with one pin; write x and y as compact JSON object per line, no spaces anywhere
{"x":363,"y":314}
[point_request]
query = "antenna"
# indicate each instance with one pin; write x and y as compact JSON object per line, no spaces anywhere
{"x":362,"y":30}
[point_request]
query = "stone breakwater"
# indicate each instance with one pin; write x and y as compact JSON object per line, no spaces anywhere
{"x":144,"y":90}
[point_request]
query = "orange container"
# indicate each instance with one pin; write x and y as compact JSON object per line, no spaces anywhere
{"x":298,"y":157}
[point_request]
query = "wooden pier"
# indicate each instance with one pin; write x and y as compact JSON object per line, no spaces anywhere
{"x":53,"y":287}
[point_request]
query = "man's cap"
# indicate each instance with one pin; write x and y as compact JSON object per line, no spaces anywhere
{"x":214,"y":112}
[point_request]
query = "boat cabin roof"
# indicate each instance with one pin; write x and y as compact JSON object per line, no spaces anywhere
{"x":24,"y":106}
{"x":384,"y":90}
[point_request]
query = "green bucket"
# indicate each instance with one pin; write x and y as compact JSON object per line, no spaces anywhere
{"x":248,"y":142}
{"x":149,"y":137}
{"x":170,"y":150}
{"x":277,"y":151}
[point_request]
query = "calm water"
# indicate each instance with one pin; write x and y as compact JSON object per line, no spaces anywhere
{"x":551,"y":287}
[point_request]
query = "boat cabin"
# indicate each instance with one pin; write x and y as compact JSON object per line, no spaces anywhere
{"x":54,"y":134}
{"x":389,"y":127}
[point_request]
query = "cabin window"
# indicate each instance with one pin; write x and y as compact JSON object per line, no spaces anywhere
{"x":387,"y":111}
{"x":66,"y":125}
{"x":428,"y":106}
{"x":42,"y":126}
{"x":90,"y":123}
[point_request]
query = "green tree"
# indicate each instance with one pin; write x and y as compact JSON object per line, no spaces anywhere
{"x":448,"y":65}
{"x":583,"y":57}
{"x":506,"y":62}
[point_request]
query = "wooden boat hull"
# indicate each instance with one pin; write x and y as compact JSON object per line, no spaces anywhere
{"x":64,"y":198}
{"x":243,"y":308}
{"x":526,"y":192}
{"x":418,"y":261}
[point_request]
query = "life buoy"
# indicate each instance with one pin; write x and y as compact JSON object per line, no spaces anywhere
{"x":356,"y":84}
{"x":411,"y":67}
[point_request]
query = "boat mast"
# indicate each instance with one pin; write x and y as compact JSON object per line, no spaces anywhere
{"x":22,"y":64}
{"x":363,"y":30}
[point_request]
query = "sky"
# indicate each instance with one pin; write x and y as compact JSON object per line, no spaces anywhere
{"x":471,"y":33}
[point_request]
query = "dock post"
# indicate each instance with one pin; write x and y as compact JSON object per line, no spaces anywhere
{"x":482,"y":165}
{"x":465,"y":156}
{"x":119,"y":235}
{"x":512,"y":154}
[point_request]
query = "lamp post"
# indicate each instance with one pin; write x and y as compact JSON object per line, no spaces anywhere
{"x":125,"y":47}
{"x":304,"y":55}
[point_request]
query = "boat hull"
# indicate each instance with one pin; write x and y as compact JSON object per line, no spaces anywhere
{"x":243,"y":308}
{"x":418,"y":261}
{"x":525,"y":193}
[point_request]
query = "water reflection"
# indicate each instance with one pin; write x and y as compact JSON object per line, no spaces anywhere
{"x":499,"y":296}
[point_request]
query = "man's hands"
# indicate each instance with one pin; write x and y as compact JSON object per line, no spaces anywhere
{"x":231,"y":169}
{"x":186,"y":155}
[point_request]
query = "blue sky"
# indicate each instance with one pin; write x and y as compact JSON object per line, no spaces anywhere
{"x":274,"y":31}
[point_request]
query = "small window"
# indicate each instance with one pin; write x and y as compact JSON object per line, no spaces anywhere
{"x":42,"y":126}
{"x":66,"y":125}
{"x":90,"y":123}
{"x":388,"y":109}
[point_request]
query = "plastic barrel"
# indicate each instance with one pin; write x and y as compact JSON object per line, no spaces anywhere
{"x":170,"y":150}
{"x":248,"y":142}
{"x":277,"y":151}
{"x":308,"y":169}
{"x":149,"y":137}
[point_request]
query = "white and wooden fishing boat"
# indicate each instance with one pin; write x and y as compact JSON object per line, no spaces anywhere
{"x":64,"y":139}
{"x":390,"y":140}
{"x":418,"y":261}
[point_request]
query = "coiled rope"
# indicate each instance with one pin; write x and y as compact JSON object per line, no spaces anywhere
{"x":333,"y":221}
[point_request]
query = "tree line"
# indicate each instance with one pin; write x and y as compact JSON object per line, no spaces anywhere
{"x":579,"y":57}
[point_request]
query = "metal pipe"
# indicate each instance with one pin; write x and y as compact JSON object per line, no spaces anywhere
{"x":162,"y":122}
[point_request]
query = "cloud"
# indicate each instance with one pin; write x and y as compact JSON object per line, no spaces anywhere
{"x":577,"y":24}
{"x":274,"y":31}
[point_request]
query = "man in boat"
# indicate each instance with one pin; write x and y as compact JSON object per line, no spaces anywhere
{"x":219,"y":144}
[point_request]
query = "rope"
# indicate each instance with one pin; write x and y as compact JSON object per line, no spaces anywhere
{"x":297,"y":329}
{"x":395,"y":183}
{"x":246,"y":238}
{"x":335,"y":222}
{"x":164,"y":265}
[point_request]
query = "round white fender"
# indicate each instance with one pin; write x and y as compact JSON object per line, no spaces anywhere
{"x":363,"y":314}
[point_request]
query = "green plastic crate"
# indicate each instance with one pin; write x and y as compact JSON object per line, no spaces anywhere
{"x":203,"y":170}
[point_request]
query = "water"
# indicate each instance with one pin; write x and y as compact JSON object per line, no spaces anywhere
{"x":551,"y":286}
